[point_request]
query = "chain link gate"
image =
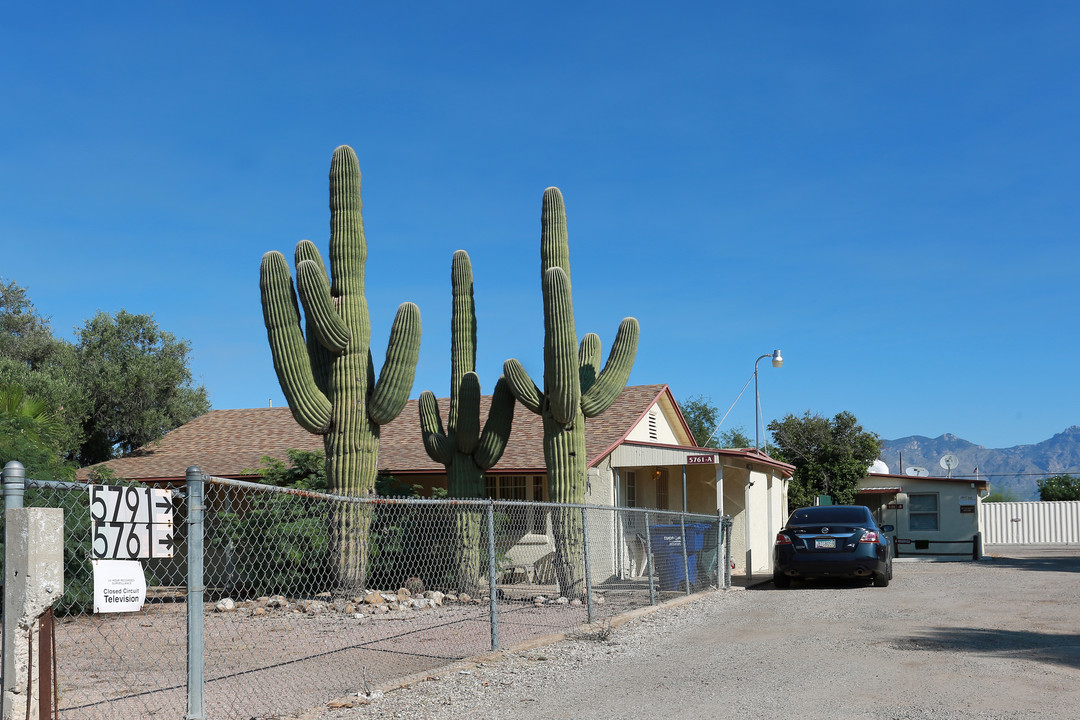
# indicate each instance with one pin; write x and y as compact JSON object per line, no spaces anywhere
{"x":248,"y":619}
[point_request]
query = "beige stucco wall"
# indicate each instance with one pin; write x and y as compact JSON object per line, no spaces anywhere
{"x":952,"y":523}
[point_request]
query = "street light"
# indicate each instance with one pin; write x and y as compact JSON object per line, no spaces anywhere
{"x":777,"y":361}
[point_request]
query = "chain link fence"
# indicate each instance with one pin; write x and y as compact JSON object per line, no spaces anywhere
{"x":253,"y":618}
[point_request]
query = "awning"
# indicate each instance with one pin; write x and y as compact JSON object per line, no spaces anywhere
{"x":878,"y":491}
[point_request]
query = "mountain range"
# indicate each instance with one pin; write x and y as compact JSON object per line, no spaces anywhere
{"x":1014,"y":470}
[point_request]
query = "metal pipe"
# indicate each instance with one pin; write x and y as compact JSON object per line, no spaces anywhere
{"x":649,"y":560}
{"x":725,"y":526}
{"x":685,"y":562}
{"x":493,"y":592}
{"x":588,"y":570}
{"x":195,"y":591}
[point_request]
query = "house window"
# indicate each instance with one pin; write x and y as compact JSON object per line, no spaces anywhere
{"x":631,"y":489}
{"x":538,"y":516}
{"x":662,"y":489}
{"x":520,"y":487}
{"x":505,"y":487}
{"x":923,"y":511}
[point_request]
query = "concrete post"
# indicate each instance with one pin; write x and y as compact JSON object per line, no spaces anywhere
{"x":34,"y":580}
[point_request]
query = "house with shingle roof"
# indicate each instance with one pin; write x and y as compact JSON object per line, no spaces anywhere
{"x":641,"y":453}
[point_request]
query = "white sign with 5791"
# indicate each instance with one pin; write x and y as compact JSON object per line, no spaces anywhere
{"x":130,"y":523}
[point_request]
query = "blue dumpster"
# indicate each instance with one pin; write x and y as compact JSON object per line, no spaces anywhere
{"x":667,"y":549}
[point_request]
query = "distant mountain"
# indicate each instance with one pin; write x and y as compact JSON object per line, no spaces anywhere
{"x":1009,"y":469}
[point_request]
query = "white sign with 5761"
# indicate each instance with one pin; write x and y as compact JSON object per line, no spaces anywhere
{"x":130,"y":523}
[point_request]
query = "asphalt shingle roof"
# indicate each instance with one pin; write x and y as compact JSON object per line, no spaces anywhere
{"x":229,"y":443}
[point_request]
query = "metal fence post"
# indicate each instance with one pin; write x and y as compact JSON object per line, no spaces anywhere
{"x":649,"y":560}
{"x":685,"y":562}
{"x":493,"y":592}
{"x":14,"y":484}
{"x":588,"y":571}
{"x":14,"y":479}
{"x":725,"y":527}
{"x":195,"y":589}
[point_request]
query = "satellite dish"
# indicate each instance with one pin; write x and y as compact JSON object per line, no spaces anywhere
{"x":916,"y":471}
{"x":948,"y":461}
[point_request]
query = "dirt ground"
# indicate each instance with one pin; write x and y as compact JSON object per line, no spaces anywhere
{"x":996,"y":639}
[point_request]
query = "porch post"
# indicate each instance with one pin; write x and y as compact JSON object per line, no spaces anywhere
{"x":684,"y":486}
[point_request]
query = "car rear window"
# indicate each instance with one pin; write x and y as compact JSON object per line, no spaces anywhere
{"x":850,"y":515}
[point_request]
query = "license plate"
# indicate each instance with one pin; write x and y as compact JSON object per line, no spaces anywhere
{"x":825,"y":543}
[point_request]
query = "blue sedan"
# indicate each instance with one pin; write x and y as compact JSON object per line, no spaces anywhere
{"x":832,"y":541}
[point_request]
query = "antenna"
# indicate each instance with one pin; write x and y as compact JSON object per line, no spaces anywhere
{"x":948,"y":462}
{"x":916,"y":471}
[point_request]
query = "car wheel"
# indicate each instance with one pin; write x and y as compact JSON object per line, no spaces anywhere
{"x":881,"y":579}
{"x":889,"y":569}
{"x":781,"y":580}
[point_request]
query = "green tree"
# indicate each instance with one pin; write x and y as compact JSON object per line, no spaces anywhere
{"x":700,"y":415}
{"x":735,"y":437}
{"x":42,"y":365}
{"x":28,"y":433}
{"x":1059,"y":487}
{"x":830,"y":456}
{"x":137,"y":382}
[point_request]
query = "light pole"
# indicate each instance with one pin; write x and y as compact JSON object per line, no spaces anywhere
{"x":777,"y":361}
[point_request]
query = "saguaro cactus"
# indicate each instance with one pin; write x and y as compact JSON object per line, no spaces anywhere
{"x":462,"y":447}
{"x":328,"y":379}
{"x":573,"y":390}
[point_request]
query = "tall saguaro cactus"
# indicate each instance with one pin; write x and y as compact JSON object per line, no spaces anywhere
{"x":573,"y":390}
{"x":462,"y":447}
{"x":329,"y":377}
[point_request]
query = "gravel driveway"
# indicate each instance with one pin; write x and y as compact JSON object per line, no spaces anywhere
{"x":996,"y":639}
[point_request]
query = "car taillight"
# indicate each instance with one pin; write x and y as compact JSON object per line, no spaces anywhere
{"x":869,"y":537}
{"x":782,"y":539}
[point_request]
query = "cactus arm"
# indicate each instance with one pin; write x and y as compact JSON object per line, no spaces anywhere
{"x":438,"y":446}
{"x":395,"y":381}
{"x":561,"y":384}
{"x":522,"y":386}
{"x":281,"y":314}
{"x":497,"y":428}
{"x":588,"y":360}
{"x":314,"y":290}
{"x":467,"y":432}
{"x":616,"y":372}
{"x":321,"y":358}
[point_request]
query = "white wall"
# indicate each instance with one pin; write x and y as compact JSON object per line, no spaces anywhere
{"x":1030,"y":522}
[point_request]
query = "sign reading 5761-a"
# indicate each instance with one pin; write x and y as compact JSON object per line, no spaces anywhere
{"x":130,"y":523}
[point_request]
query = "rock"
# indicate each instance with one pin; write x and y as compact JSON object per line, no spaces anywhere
{"x":314,"y":607}
{"x":576,"y":602}
{"x":324,"y":596}
{"x":258,"y":612}
{"x":562,"y":601}
{"x":539,"y":599}
{"x":599,"y":600}
{"x":403,"y":595}
{"x":276,"y":601}
{"x":225,"y":605}
{"x":394,"y":606}
{"x":435,"y":597}
{"x":464,"y":598}
{"x":374,"y":598}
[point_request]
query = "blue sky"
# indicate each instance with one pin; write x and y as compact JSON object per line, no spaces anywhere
{"x":886,"y":191}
